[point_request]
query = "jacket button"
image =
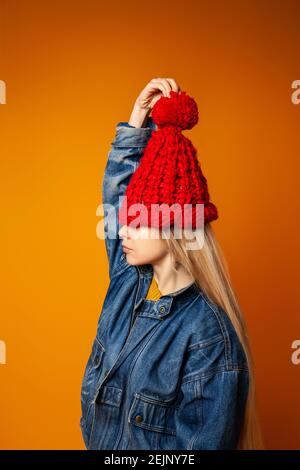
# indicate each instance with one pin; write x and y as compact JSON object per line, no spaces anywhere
{"x":162,"y":309}
{"x":138,"y":418}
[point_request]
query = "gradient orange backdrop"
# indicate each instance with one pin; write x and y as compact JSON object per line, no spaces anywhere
{"x":73,"y":70}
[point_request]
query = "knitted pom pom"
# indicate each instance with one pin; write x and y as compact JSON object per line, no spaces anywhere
{"x":180,"y":110}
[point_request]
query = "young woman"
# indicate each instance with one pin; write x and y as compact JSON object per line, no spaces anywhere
{"x":170,"y":365}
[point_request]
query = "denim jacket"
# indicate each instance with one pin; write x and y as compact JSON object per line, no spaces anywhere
{"x":161,"y":375}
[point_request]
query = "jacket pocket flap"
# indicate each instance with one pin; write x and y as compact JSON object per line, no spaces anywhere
{"x":150,"y":413}
{"x":110,"y":395}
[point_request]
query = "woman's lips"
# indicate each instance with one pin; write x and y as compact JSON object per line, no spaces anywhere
{"x":126,"y":249}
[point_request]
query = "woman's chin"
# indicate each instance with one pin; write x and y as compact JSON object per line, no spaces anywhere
{"x":134,"y":261}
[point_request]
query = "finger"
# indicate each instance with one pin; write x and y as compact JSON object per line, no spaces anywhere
{"x":159,"y":81}
{"x":156,"y":85}
{"x":168,"y":85}
{"x":174,"y":85}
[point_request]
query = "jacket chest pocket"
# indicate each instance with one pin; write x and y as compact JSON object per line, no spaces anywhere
{"x":152,"y":423}
{"x":91,"y":377}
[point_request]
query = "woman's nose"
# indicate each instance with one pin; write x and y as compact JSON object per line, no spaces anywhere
{"x":123,"y":231}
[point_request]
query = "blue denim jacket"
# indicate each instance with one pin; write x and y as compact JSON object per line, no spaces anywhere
{"x":161,"y":375}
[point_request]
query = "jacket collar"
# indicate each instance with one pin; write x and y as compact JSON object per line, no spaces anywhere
{"x":163,"y":305}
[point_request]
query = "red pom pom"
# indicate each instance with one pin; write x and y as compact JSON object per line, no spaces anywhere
{"x":180,"y":110}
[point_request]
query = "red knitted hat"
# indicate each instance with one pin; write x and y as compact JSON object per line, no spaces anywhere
{"x":168,"y":187}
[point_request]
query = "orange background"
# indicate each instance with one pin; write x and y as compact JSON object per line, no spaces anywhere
{"x":73,"y":70}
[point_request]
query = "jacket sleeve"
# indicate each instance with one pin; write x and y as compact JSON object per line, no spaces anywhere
{"x":211,"y":412}
{"x":123,"y":159}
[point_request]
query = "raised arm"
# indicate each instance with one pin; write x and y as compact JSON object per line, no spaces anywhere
{"x":127,"y":148}
{"x":123,"y":159}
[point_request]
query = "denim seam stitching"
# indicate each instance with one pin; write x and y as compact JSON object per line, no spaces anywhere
{"x":155,"y":401}
{"x":224,"y":331}
{"x":200,"y":395}
{"x":213,"y":371}
{"x":206,"y":343}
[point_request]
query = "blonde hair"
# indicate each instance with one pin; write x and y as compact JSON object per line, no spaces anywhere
{"x":210,"y":271}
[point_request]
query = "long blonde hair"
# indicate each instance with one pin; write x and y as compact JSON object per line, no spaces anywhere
{"x":210,"y":271}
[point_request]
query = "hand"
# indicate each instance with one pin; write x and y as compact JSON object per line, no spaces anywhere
{"x":154,"y":90}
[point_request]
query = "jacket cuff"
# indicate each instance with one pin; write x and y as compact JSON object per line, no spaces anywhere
{"x":130,"y":136}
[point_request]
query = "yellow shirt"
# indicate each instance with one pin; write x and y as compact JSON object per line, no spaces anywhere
{"x":153,"y":292}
